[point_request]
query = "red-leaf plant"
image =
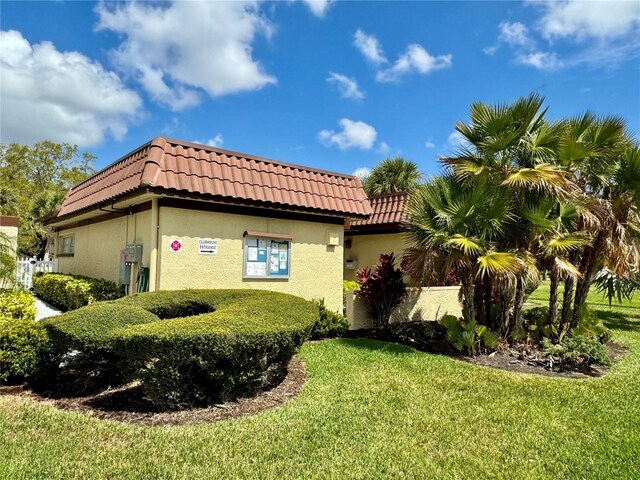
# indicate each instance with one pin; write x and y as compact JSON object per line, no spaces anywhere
{"x":381,"y":290}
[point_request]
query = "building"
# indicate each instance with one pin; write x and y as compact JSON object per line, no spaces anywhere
{"x":366,"y":239}
{"x":174,"y":215}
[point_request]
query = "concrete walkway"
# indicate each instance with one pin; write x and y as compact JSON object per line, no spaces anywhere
{"x":44,"y":310}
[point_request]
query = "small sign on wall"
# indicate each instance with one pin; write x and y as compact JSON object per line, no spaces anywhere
{"x":207,"y":246}
{"x":175,"y":245}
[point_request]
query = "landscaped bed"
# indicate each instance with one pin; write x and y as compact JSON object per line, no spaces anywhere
{"x":369,"y":409}
{"x":190,"y":348}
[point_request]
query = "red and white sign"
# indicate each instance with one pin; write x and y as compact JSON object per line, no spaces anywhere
{"x":175,"y":245}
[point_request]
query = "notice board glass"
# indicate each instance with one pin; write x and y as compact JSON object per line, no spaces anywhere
{"x":266,"y":258}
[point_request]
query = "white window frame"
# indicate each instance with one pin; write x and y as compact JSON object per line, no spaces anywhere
{"x":67,"y":245}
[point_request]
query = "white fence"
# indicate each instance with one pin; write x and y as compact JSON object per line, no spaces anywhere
{"x":26,"y":267}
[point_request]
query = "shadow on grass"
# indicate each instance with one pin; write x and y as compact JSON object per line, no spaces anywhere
{"x":618,"y":321}
{"x":376,"y":345}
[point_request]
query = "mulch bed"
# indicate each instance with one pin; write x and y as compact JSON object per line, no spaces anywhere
{"x":430,"y":337}
{"x":127,"y":404}
{"x":534,"y":362}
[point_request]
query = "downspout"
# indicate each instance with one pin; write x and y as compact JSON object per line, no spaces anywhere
{"x":153,"y":254}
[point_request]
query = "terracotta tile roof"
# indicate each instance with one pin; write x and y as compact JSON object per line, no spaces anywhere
{"x":212,"y":173}
{"x":388,"y":212}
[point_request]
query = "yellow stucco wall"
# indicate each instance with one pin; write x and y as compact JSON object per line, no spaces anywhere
{"x":366,"y":249}
{"x":428,"y":303}
{"x":315,"y":266}
{"x":97,"y":246}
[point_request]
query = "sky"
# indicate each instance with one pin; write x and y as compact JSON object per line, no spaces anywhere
{"x":332,"y":85}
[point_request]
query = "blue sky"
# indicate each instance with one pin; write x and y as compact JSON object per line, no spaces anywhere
{"x":334,"y":85}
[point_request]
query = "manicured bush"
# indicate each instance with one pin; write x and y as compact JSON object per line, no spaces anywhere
{"x":242,"y":345}
{"x":17,"y":304}
{"x":330,"y":324}
{"x":21,"y":338}
{"x":241,"y":348}
{"x":91,"y":332}
{"x":69,"y":292}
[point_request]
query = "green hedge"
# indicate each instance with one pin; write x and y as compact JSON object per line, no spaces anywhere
{"x":21,"y":338}
{"x":69,"y":292}
{"x":329,"y":324}
{"x":91,"y":331}
{"x":241,"y":345}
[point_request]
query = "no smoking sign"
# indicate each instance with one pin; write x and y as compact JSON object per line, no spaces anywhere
{"x":175,"y":245}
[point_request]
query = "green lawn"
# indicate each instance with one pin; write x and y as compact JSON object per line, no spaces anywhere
{"x":369,"y":410}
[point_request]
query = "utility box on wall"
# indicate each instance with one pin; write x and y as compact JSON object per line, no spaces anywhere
{"x":133,"y":253}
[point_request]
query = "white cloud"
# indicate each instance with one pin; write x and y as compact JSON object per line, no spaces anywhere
{"x":429,"y":144}
{"x":580,"y":19}
{"x":59,"y":96}
{"x":318,"y":7}
{"x":456,"y":139}
{"x":383,"y":148}
{"x":354,"y":134}
{"x":540,"y":60}
{"x":178,"y":50}
{"x":490,"y":50}
{"x":414,"y":59}
{"x":362,"y":172}
{"x":369,"y":47}
{"x":514,"y":34}
{"x":216,"y":141}
{"x":348,"y":87}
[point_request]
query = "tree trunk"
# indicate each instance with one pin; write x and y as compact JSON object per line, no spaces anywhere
{"x":587,"y":269}
{"x":567,"y":299}
{"x":518,"y":304}
{"x":553,"y":298}
{"x":487,"y":303}
{"x":468,"y":307}
{"x":479,"y":299}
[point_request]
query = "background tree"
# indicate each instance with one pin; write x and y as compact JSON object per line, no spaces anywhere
{"x":33,"y":181}
{"x":392,"y":175}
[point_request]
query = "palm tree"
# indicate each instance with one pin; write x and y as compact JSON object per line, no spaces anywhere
{"x":606,"y":167}
{"x":392,"y":175}
{"x":513,"y":148}
{"x":455,"y":229}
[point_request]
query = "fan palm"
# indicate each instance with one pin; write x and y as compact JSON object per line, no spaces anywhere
{"x":512,"y":146}
{"x":606,"y":167}
{"x":392,"y":175}
{"x":455,"y":229}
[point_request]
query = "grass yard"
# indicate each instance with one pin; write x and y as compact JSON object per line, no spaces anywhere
{"x":369,"y":410}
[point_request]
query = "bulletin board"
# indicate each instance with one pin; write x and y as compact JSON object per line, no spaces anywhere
{"x":266,"y":258}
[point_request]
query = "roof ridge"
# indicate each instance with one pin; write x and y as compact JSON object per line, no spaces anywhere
{"x":234,"y":153}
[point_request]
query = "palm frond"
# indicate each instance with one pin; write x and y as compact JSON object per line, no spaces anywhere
{"x":561,"y":244}
{"x":468,"y":246}
{"x":496,"y":263}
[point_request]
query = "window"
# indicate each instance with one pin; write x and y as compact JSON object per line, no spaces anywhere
{"x":267,"y":257}
{"x":66,"y":245}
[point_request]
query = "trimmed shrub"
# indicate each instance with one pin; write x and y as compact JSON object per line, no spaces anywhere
{"x":21,"y":338}
{"x":69,"y":292}
{"x":90,"y":332}
{"x":241,"y":348}
{"x":17,"y":304}
{"x":242,"y":345}
{"x":330,"y":324}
